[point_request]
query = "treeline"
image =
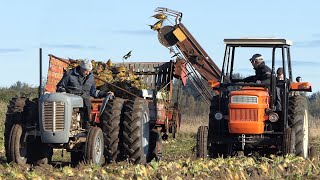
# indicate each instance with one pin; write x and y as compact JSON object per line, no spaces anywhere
{"x":16,"y":90}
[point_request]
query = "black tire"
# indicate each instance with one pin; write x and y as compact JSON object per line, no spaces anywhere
{"x":155,"y":147}
{"x":202,"y":142}
{"x":94,"y":146}
{"x":136,"y":130}
{"x":14,"y":116}
{"x":299,"y":123}
{"x":76,"y":158}
{"x":111,"y":125}
{"x":17,"y":148}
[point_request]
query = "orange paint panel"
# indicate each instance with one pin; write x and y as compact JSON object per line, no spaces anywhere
{"x":246,"y":127}
{"x":248,"y":106}
{"x":251,"y":92}
{"x":301,"y":86}
{"x":244,"y":114}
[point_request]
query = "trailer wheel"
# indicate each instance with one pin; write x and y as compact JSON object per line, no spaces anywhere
{"x":299,"y":123}
{"x":111,"y":122}
{"x":14,"y":116}
{"x":136,"y":130}
{"x":94,"y":146}
{"x":155,"y":149}
{"x":17,"y":148}
{"x":202,"y":142}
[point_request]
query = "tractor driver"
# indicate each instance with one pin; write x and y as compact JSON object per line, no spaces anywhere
{"x":80,"y":81}
{"x":263,"y":72}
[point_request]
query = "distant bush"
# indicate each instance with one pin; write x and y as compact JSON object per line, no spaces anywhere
{"x":18,"y":89}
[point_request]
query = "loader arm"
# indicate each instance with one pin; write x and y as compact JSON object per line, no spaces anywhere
{"x":179,"y":40}
{"x":195,"y":54}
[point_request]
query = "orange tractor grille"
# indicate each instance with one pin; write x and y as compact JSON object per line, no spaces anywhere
{"x":243,"y":115}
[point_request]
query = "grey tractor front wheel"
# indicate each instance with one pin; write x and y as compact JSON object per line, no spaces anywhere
{"x":94,"y":146}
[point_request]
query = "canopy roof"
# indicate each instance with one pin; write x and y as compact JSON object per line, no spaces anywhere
{"x":258,"y":41}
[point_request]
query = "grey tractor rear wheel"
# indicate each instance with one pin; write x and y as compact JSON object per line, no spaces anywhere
{"x":14,"y":116}
{"x":111,"y":125}
{"x":14,"y":129}
{"x":299,"y":123}
{"x":93,"y":153}
{"x":136,"y":130}
{"x":202,"y":142}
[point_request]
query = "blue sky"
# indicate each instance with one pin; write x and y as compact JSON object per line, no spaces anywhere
{"x":109,"y":29}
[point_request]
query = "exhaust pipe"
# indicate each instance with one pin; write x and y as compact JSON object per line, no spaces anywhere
{"x":40,"y":90}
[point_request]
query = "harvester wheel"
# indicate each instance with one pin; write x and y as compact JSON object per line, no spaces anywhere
{"x":14,"y":116}
{"x":299,"y":123}
{"x":136,"y":130}
{"x":94,"y":146}
{"x":202,"y":142}
{"x":155,"y":149}
{"x":17,"y":147}
{"x":111,"y":125}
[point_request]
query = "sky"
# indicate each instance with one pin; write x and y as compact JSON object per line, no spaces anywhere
{"x":103,"y":30}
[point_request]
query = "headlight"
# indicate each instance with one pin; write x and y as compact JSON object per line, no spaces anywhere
{"x":273,"y":117}
{"x":218,"y":115}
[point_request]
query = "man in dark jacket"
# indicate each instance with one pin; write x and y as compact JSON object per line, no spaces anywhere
{"x":80,"y":81}
{"x":263,"y":72}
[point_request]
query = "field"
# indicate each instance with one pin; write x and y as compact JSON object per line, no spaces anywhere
{"x":178,"y":162}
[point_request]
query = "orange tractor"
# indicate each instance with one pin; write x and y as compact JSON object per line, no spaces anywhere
{"x":243,"y":116}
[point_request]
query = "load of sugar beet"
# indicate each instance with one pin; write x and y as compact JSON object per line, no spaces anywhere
{"x":118,"y":79}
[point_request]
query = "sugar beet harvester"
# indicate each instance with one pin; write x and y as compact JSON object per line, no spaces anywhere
{"x":243,"y":116}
